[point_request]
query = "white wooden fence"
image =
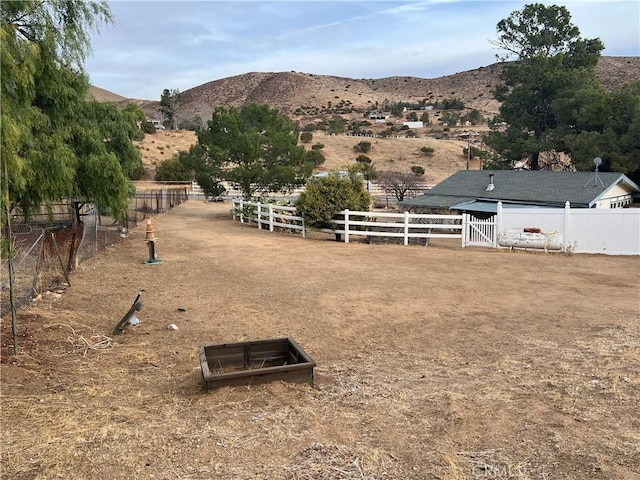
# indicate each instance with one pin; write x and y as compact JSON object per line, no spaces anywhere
{"x":268,"y":215}
{"x":610,"y":231}
{"x":404,"y":226}
{"x":480,"y":232}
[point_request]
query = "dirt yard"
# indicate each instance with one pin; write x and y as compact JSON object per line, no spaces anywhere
{"x":432,"y":362}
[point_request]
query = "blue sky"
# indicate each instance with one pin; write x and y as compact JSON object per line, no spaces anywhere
{"x":182,"y":44}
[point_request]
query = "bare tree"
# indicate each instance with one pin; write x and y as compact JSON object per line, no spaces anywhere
{"x":398,"y":183}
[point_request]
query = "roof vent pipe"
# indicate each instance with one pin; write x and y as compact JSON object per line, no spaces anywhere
{"x":491,"y":185}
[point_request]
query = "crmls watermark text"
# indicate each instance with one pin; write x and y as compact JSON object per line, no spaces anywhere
{"x":499,"y":471}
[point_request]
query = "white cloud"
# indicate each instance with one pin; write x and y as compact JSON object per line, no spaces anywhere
{"x":159,"y":45}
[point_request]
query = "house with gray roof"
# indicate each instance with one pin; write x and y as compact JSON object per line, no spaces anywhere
{"x":479,"y":191}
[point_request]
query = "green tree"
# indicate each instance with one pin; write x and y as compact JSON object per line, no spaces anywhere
{"x":450,"y":117}
{"x":365,"y":166}
{"x":134,"y":114}
{"x":336,"y":125}
{"x":474,"y":117}
{"x":325,"y":197}
{"x":397,"y":110}
{"x":424,"y":118}
{"x":554,"y":75}
{"x":173,"y":170}
{"x":255,"y":147}
{"x":316,"y":157}
{"x":168,"y":102}
{"x":306,"y":137}
{"x":55,"y":143}
{"x":609,"y":128}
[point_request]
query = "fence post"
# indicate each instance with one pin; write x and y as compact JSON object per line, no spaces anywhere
{"x":259,"y":216}
{"x":304,"y":233}
{"x":241,"y":210}
{"x":271,"y":217}
{"x":567,"y":225}
{"x":498,"y":225}
{"x":346,"y":226}
{"x":465,"y":225}
{"x":406,"y":227}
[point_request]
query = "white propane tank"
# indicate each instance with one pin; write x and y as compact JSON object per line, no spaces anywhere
{"x":519,"y":238}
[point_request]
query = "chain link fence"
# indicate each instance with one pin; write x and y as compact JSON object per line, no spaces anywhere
{"x":47,"y":247}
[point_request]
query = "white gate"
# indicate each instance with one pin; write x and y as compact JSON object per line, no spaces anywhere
{"x":480,"y":232}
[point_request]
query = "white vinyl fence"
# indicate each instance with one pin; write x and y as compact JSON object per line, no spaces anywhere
{"x":614,"y":231}
{"x":268,"y":215}
{"x":403,"y":226}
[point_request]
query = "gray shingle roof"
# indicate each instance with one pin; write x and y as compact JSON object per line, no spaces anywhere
{"x":529,"y":187}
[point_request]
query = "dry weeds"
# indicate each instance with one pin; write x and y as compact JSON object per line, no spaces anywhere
{"x":433,"y":362}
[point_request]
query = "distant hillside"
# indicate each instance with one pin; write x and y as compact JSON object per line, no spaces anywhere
{"x":103,"y":95}
{"x":304,"y":95}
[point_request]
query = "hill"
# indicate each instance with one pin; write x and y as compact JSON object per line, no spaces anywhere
{"x":386,"y":153}
{"x":308,"y":98}
{"x":304,"y":95}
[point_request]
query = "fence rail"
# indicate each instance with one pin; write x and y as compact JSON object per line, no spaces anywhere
{"x":404,"y":226}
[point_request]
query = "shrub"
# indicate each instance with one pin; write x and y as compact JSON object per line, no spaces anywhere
{"x":325,"y":197}
{"x":427,"y":151}
{"x":363,"y":147}
{"x":306,"y":137}
{"x":417,"y":170}
{"x":316,"y":157}
{"x":172,"y":170}
{"x":148,"y":127}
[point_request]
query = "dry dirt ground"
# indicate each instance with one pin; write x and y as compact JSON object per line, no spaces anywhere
{"x":432,"y":362}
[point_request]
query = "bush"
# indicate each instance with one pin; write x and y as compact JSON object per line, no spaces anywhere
{"x":148,"y":127}
{"x":317,"y":146}
{"x":306,"y":137}
{"x":172,"y":170}
{"x":427,"y":151}
{"x":417,"y":170}
{"x":363,"y":147}
{"x":210,"y":186}
{"x":316,"y":157}
{"x":325,"y":197}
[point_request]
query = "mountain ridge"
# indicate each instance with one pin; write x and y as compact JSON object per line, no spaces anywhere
{"x":307,"y":95}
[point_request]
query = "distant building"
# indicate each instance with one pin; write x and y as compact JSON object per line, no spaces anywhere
{"x":479,"y":191}
{"x":378,"y":117}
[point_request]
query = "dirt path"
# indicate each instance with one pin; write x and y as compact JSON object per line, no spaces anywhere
{"x":432,"y":362}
